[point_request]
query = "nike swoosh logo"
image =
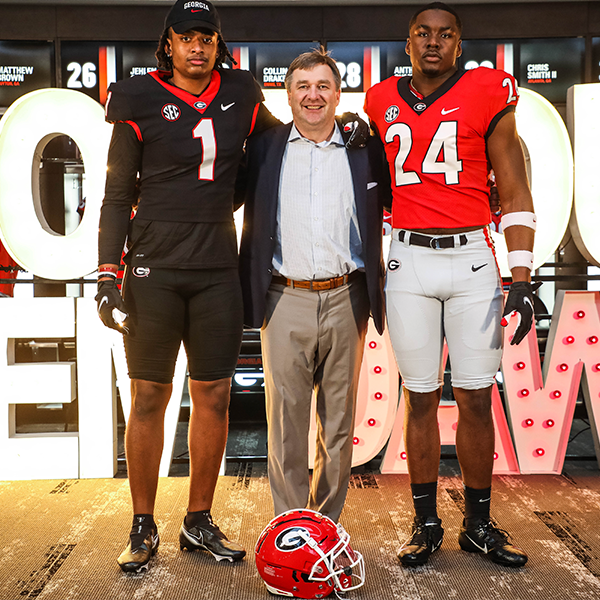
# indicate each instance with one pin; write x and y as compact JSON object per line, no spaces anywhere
{"x":199,"y":539}
{"x":195,"y":11}
{"x":483,"y":548}
{"x":485,"y":500}
{"x":102,"y":302}
{"x":526,"y":300}
{"x":447,"y":112}
{"x":226,"y":107}
{"x":475,"y":269}
{"x":423,"y":496}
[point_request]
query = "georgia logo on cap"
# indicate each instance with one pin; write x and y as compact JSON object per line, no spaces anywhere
{"x":200,"y":5}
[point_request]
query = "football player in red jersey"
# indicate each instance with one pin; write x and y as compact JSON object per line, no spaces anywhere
{"x":439,"y":128}
{"x":182,"y":129}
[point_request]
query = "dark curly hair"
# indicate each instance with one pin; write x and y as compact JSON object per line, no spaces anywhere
{"x":165,"y":63}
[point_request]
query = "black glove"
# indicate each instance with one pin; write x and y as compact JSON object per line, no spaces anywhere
{"x":519,"y":303}
{"x":355,"y":131}
{"x":111,"y":307}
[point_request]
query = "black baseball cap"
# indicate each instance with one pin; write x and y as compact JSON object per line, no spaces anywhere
{"x":193,"y":14}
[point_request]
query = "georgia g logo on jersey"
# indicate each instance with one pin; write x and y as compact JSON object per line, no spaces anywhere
{"x":291,"y":539}
{"x":171,"y":112}
{"x":391,"y":114}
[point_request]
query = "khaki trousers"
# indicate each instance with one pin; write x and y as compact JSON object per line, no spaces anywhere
{"x":312,"y":340}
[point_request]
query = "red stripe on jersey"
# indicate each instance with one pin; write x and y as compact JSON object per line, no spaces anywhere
{"x":254,"y":114}
{"x":236,"y":56}
{"x":103,"y":84}
{"x":207,"y":96}
{"x":136,"y":128}
{"x":490,"y":243}
{"x":107,"y":103}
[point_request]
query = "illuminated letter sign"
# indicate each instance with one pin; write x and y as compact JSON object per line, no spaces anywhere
{"x":505,"y":460}
{"x":541,"y":406}
{"x":376,"y":402}
{"x":35,"y":455}
{"x":583,"y":109}
{"x":544,"y":134}
{"x":28,"y":125}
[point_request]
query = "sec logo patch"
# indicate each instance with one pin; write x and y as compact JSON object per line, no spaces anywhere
{"x":391,"y":114}
{"x":171,"y":112}
{"x":393,"y":264}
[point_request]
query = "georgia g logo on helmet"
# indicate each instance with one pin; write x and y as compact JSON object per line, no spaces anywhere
{"x":291,"y":539}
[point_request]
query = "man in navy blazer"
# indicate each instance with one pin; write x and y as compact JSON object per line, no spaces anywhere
{"x":312,"y":271}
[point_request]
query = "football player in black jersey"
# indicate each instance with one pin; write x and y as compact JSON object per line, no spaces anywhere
{"x":181,"y":130}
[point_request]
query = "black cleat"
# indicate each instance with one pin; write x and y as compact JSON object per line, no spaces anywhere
{"x":490,"y":540}
{"x":427,"y":535}
{"x":141,"y":548}
{"x":209,"y":537}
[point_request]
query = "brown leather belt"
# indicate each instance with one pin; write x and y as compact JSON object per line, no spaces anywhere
{"x":316,"y":285}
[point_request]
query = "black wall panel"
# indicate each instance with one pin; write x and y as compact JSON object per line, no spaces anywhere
{"x":294,"y":23}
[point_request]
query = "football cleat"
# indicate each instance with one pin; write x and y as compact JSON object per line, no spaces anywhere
{"x":141,"y":548}
{"x":490,"y":540}
{"x":209,"y":537}
{"x":426,"y":537}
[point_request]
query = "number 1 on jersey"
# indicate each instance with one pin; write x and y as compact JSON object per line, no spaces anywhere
{"x":206,"y":133}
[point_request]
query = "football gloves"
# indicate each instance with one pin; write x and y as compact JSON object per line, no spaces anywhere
{"x":111,"y":308}
{"x":519,"y":304}
{"x":355,"y":131}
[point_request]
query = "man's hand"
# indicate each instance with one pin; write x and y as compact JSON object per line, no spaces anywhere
{"x":111,"y":307}
{"x":519,"y":303}
{"x":355,"y":131}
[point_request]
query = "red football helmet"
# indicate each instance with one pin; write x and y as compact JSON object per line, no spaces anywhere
{"x":303,"y":553}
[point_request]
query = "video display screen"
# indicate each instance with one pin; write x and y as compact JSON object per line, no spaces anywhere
{"x":90,"y":67}
{"x":24,"y":67}
{"x":551,"y":66}
{"x":138,"y":59}
{"x":596,"y":59}
{"x":363,"y":64}
{"x":486,"y":53}
{"x":268,"y":62}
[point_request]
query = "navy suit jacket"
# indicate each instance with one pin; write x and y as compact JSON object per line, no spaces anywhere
{"x":259,"y":189}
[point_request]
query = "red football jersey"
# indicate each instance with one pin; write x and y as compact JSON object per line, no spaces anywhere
{"x":436,"y":146}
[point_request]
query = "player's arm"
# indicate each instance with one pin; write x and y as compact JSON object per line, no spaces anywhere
{"x":124,"y":160}
{"x":264,"y":120}
{"x":518,"y":221}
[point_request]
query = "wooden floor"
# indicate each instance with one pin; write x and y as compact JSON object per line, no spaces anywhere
{"x":60,"y":539}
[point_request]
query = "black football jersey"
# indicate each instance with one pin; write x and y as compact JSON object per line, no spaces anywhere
{"x":192,"y":145}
